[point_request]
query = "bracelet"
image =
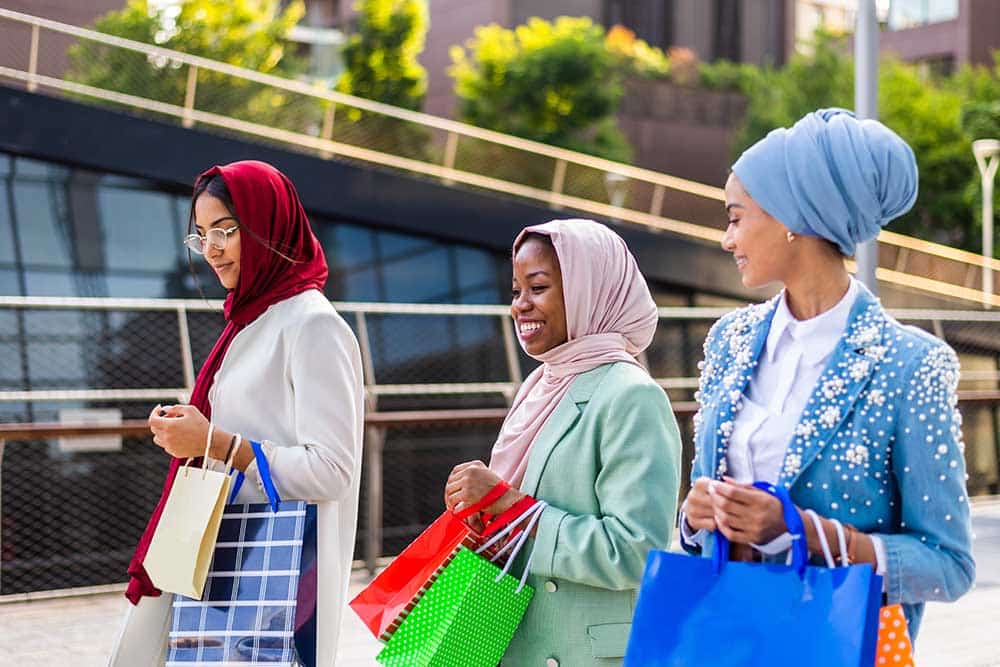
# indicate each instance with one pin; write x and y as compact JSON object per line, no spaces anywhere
{"x":232,"y":443}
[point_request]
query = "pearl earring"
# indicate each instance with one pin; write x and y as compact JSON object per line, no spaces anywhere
{"x":790,"y":236}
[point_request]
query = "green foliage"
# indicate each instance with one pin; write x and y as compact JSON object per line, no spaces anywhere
{"x":937,"y":117}
{"x":381,"y":58}
{"x":380,"y":63}
{"x":245,"y":33}
{"x":556,"y":83}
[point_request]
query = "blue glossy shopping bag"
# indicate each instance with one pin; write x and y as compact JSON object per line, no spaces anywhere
{"x":699,"y":612}
{"x":259,"y":604}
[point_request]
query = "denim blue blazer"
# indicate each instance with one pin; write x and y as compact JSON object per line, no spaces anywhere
{"x":878,"y":445}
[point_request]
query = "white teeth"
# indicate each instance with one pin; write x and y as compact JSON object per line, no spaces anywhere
{"x":528,"y":327}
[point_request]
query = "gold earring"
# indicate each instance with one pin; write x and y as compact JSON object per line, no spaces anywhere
{"x":790,"y":236}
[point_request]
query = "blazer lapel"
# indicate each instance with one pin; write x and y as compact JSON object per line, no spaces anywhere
{"x":849,"y":370}
{"x":744,"y":340}
{"x":559,"y":422}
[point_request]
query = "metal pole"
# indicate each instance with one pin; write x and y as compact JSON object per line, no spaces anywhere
{"x":987,"y":152}
{"x":866,"y":106}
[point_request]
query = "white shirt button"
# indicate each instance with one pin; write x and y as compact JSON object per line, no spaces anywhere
{"x":551,"y":586}
{"x":551,"y":662}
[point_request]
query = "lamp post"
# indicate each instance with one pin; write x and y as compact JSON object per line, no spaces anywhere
{"x":866,"y":106}
{"x":987,"y":152}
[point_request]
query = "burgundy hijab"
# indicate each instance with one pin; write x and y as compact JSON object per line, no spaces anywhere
{"x":269,"y":210}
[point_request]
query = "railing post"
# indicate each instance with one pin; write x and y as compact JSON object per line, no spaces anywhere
{"x":450,"y":152}
{"x":656,"y":207}
{"x":192,"y":85}
{"x":33,"y":60}
{"x":374,"y":448}
{"x":510,"y":350}
{"x":187,"y":358}
{"x":327,"y":131}
{"x":558,"y":180}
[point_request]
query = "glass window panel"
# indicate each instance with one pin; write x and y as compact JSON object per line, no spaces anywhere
{"x":126,"y":287}
{"x":39,"y":169}
{"x":476,"y":268}
{"x":391,"y":243}
{"x":7,"y":254}
{"x":43,"y":240}
{"x":5,"y":162}
{"x":50,"y":283}
{"x":422,"y":278}
{"x":347,"y":246}
{"x":9,"y":284}
{"x":139,"y":229}
{"x":360,"y":286}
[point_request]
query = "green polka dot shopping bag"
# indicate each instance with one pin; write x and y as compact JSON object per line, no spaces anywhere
{"x":470,"y":612}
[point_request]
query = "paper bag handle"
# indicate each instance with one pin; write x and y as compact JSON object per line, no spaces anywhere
{"x":800,"y":550}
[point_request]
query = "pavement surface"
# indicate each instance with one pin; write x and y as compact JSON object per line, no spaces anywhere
{"x":79,"y":631}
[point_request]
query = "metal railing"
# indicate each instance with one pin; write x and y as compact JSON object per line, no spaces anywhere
{"x":456,"y":153}
{"x":131,"y":345}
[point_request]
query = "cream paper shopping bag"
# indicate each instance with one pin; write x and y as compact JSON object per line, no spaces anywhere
{"x":182,"y":546}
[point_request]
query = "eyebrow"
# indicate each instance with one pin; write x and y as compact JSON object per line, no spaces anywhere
{"x":216,"y":223}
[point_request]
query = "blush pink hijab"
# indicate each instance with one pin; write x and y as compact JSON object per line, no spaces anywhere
{"x":610,"y":316}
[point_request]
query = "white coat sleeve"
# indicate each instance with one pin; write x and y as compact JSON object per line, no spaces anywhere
{"x":324,"y":369}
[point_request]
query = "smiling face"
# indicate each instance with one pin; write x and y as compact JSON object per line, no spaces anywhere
{"x":210,"y":212}
{"x":537,"y":306}
{"x":758,"y":242}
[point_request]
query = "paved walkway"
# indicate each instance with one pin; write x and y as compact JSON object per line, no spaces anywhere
{"x":79,"y":631}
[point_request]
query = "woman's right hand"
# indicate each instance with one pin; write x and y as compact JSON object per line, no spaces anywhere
{"x":698,"y":510}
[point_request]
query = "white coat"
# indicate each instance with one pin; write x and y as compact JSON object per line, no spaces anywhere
{"x":292,"y":380}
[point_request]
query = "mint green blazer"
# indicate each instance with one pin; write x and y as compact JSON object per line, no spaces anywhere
{"x":608,"y":463}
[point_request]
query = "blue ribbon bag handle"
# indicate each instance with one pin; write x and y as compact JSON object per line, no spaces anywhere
{"x":800,"y":550}
{"x":264,"y":470}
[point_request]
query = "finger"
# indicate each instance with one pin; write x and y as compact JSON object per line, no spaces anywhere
{"x":462,"y":466}
{"x":733,"y":509}
{"x":737,"y":494}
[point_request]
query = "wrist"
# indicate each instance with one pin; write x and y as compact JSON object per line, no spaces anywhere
{"x":507,"y":500}
{"x":220,"y":444}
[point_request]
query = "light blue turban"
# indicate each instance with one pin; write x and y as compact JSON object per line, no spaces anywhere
{"x":831,"y":175}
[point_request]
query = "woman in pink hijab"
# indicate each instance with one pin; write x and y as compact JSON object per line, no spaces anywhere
{"x":591,"y":434}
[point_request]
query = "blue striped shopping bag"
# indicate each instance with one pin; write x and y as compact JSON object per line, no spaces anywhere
{"x":259,"y":604}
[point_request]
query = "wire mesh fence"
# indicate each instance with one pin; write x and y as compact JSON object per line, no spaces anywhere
{"x":72,"y":510}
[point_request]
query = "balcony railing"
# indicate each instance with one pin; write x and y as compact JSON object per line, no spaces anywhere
{"x":334,"y":125}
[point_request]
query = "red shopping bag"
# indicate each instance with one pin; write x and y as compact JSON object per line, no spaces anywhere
{"x":385,"y":601}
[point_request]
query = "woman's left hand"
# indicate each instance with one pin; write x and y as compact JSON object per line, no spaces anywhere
{"x":469,"y":482}
{"x":181,"y":430}
{"x":744,"y":514}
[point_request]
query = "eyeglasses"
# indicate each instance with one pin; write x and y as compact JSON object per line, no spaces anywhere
{"x":215,"y":236}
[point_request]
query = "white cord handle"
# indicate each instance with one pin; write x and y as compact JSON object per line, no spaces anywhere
{"x":824,"y":544}
{"x":208,"y":445}
{"x":530,"y":517}
{"x":842,"y":541}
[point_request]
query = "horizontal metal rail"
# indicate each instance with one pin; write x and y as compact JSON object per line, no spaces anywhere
{"x":897,"y":275}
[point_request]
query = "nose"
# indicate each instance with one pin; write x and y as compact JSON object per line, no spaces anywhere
{"x":521,"y":303}
{"x":728,"y":242}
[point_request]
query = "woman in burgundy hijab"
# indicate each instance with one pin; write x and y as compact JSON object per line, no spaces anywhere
{"x":286,"y":372}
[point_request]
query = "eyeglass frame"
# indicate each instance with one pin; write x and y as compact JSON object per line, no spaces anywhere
{"x":204,"y":239}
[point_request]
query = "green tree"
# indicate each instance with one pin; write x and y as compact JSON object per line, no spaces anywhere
{"x":252,"y":34}
{"x":380,"y":60}
{"x":380,"y":63}
{"x":553,"y":82}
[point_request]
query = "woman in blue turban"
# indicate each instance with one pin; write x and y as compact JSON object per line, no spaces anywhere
{"x":819,"y":390}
